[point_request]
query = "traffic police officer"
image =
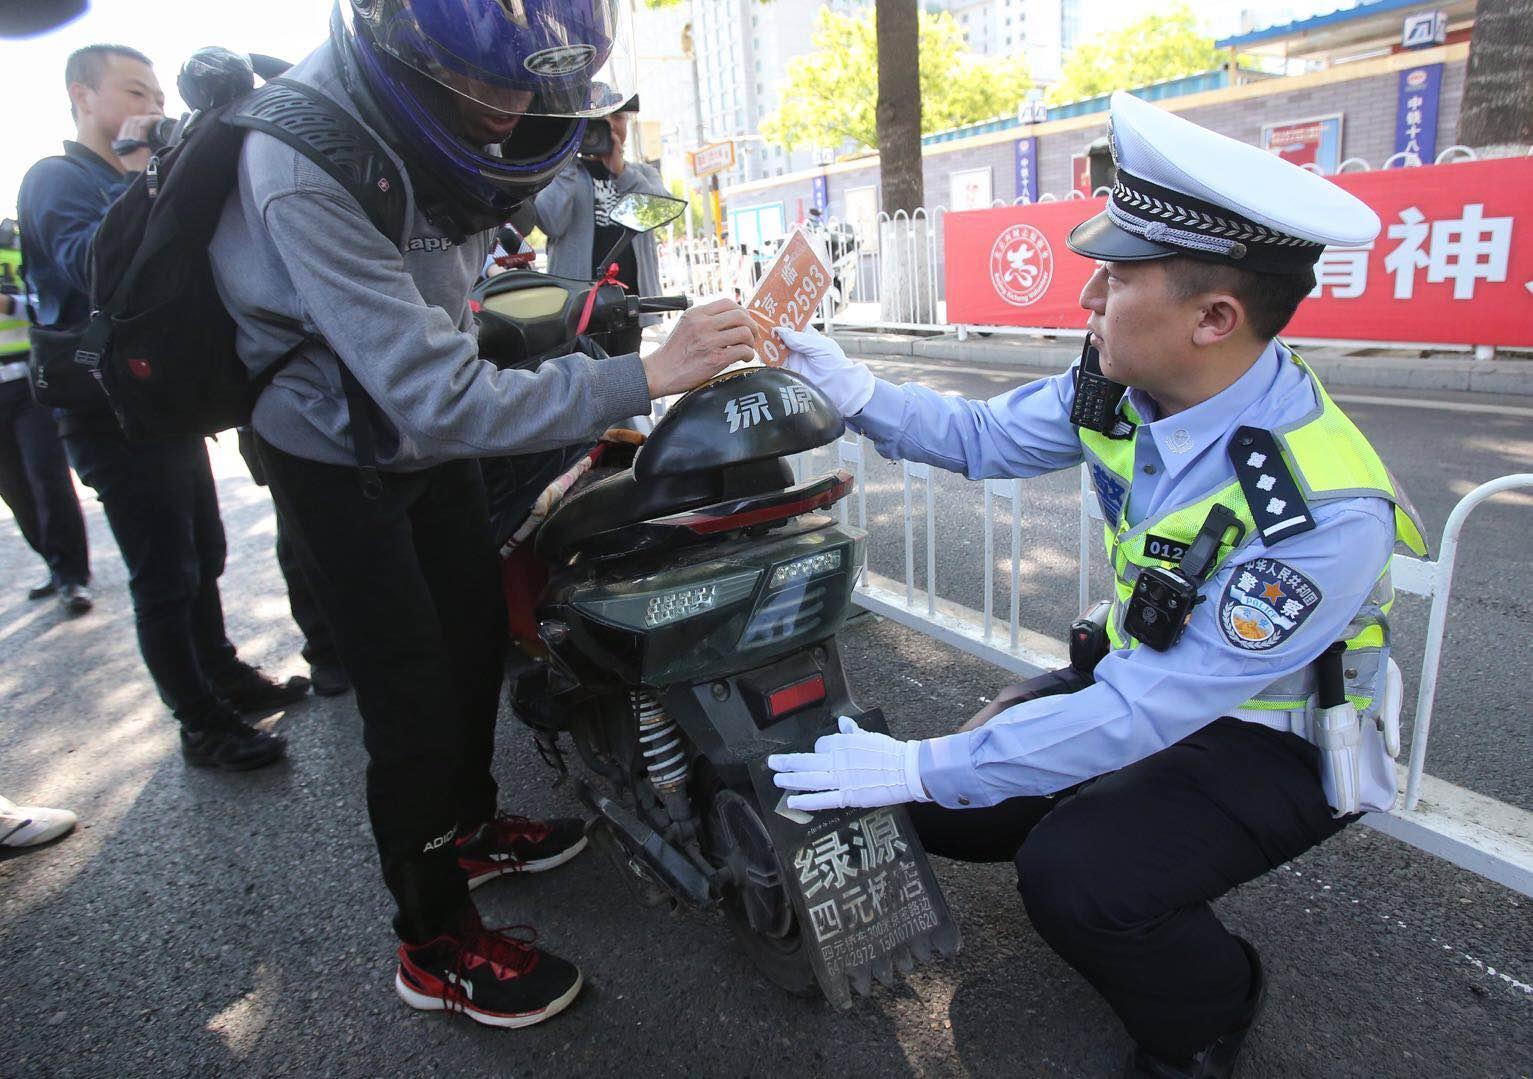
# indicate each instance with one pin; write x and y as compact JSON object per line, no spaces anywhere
{"x":1249,"y":525}
{"x":34,"y":476}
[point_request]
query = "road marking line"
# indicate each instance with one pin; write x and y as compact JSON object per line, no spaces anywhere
{"x":1347,"y":398}
{"x":1445,"y":406}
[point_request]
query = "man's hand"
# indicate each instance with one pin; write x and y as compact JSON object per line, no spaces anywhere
{"x":852,"y":768}
{"x":820,"y":360}
{"x":704,"y":341}
{"x":137,"y":129}
{"x":614,"y":159}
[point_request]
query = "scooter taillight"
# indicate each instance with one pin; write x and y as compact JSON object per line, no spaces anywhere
{"x":827,"y":492}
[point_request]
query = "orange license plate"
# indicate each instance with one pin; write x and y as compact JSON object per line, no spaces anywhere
{"x":788,"y":295}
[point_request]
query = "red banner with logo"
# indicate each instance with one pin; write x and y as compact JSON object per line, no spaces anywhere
{"x":1453,"y":263}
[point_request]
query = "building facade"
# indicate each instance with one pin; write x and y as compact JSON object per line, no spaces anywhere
{"x":1360,"y":102}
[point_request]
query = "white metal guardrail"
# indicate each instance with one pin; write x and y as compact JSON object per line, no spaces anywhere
{"x":1481,"y":834}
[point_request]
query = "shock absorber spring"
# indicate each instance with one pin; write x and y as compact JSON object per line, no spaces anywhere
{"x":664,"y":755}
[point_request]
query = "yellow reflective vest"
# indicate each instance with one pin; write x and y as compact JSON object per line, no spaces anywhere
{"x":1329,"y":459}
{"x":13,"y":330}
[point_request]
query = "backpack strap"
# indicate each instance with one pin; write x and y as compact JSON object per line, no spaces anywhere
{"x":314,"y":125}
{"x":333,"y":139}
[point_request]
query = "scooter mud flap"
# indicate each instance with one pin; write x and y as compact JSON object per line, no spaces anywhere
{"x":866,"y":899}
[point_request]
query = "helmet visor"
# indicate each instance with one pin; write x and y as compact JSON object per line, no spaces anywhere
{"x":516,"y":57}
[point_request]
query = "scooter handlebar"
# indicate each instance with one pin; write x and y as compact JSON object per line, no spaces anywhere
{"x":649,"y":305}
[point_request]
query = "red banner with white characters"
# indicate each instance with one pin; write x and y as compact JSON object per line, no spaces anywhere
{"x":1452,"y":264}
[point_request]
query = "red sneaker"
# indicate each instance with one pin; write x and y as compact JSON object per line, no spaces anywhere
{"x":508,"y":844}
{"x":488,"y":975}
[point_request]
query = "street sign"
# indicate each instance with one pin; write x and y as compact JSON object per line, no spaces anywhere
{"x":715,"y":157}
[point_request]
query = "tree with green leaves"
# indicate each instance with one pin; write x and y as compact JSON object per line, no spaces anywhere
{"x":830,"y":94}
{"x":1165,"y":45}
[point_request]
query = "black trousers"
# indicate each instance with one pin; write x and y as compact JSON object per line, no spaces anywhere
{"x":35,"y":484}
{"x":1117,"y":873}
{"x":162,"y":506}
{"x":410,"y":587}
{"x":318,"y":645}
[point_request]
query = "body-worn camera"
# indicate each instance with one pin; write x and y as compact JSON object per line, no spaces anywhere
{"x":1163,"y":598}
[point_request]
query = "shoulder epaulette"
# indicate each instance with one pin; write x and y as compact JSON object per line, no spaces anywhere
{"x":1277,"y":505}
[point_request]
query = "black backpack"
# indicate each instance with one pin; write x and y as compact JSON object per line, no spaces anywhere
{"x":160,"y":333}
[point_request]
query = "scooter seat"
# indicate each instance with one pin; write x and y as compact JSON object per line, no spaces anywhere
{"x":623,"y":500}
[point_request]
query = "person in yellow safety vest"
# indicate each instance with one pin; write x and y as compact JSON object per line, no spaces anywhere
{"x":34,"y":474}
{"x":1240,"y":707}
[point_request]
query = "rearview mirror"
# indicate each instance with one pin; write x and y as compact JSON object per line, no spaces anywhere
{"x":645,"y":213}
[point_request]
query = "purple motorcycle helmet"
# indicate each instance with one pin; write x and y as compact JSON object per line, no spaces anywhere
{"x":488,"y":98}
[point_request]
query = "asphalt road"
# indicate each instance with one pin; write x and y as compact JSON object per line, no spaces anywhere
{"x":201,"y":924}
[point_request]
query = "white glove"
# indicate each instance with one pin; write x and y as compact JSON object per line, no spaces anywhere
{"x":853,"y":768}
{"x":820,"y":360}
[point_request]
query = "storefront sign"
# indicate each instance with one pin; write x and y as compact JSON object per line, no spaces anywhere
{"x":1453,"y":263}
{"x":713,"y":158}
{"x":1424,"y":29}
{"x":1315,"y":142}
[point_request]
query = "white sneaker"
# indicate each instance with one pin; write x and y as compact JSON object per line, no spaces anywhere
{"x":27,"y":826}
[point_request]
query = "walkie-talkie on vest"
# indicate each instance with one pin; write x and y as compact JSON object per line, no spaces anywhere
{"x":1097,"y":397}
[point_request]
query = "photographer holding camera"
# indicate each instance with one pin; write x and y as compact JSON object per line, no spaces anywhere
{"x":158,"y":494}
{"x":574,"y":212}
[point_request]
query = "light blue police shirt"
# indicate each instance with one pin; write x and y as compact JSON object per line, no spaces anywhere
{"x":1143,"y":700}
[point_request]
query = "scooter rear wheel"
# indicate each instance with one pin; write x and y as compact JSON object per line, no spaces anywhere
{"x":760,"y":912}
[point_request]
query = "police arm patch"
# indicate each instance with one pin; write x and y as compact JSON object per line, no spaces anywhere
{"x":1264,"y":603}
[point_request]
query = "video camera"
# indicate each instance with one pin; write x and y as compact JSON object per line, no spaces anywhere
{"x":210,"y":78}
{"x":597,"y":141}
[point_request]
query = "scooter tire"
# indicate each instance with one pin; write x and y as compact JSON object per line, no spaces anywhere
{"x":784,"y":961}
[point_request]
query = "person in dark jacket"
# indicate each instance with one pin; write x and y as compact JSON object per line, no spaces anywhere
{"x":158,"y":495}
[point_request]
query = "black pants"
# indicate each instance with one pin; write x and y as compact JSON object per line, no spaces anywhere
{"x":1117,"y":873}
{"x":162,"y":505}
{"x":318,"y":645}
{"x":318,"y":642}
{"x":35,"y":484}
{"x":410,"y":587}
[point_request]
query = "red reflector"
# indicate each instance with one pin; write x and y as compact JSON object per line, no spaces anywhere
{"x":140,"y":368}
{"x":475,"y":306}
{"x":792,"y":698}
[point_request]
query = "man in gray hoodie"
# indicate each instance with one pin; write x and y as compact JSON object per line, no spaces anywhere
{"x":478,"y":114}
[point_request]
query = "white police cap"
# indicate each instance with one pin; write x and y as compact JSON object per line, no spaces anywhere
{"x":1184,"y":190}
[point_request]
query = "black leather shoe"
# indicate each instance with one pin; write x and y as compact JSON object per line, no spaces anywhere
{"x":248,"y":691}
{"x":231,"y":745}
{"x":328,"y":677}
{"x":44,"y":590}
{"x":75,"y":598}
{"x":1217,"y":1061}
